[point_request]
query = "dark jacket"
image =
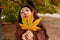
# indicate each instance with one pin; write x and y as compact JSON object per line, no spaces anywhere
{"x":37,"y":35}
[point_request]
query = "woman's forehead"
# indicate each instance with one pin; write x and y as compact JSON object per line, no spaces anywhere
{"x":25,"y":8}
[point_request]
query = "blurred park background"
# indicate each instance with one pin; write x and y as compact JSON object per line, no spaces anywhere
{"x":9,"y":10}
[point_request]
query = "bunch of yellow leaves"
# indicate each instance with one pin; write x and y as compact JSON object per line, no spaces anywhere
{"x":29,"y":24}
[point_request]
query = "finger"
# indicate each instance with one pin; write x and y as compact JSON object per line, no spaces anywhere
{"x":30,"y":38}
{"x":29,"y":35}
{"x":26,"y":37}
{"x":23,"y":37}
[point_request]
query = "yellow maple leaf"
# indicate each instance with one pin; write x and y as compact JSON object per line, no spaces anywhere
{"x":29,"y":24}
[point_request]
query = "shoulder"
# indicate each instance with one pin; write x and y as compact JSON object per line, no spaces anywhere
{"x":41,"y":25}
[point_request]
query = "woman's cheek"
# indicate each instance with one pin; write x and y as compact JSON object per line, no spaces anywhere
{"x":29,"y":14}
{"x":22,"y":15}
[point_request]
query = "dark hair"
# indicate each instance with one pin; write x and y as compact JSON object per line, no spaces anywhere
{"x":31,"y":8}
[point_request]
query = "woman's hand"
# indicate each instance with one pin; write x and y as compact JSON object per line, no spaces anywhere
{"x":28,"y":35}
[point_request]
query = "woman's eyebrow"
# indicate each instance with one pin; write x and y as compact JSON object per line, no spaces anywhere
{"x":21,"y":10}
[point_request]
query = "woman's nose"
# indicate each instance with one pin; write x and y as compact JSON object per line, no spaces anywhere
{"x":25,"y":13}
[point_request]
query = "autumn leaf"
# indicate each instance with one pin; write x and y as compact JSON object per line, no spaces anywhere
{"x":29,"y":24}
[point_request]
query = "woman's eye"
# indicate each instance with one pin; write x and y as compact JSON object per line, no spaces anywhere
{"x":27,"y":10}
{"x":22,"y":12}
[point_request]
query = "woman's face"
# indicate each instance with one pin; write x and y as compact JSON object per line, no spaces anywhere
{"x":25,"y":12}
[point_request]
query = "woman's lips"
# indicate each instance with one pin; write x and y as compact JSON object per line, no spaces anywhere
{"x":25,"y":16}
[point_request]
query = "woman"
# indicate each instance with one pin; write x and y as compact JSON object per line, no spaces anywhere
{"x":28,"y":34}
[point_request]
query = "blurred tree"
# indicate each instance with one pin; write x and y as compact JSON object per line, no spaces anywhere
{"x":12,"y":7}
